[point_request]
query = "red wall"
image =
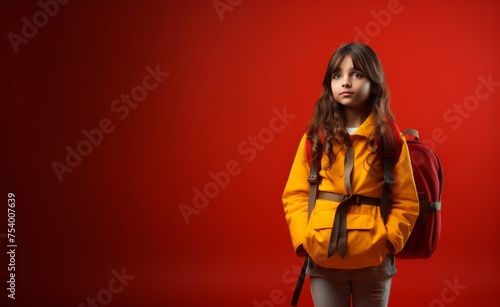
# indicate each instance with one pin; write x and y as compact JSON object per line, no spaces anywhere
{"x":99,"y":180}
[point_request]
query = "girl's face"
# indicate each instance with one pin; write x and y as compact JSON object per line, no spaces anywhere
{"x":349,"y":86}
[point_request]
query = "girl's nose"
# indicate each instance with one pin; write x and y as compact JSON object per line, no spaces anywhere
{"x":346,"y":83}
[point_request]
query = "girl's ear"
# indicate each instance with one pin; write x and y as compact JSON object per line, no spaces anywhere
{"x":374,"y":89}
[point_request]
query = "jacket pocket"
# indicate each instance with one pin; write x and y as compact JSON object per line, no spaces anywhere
{"x":366,"y":240}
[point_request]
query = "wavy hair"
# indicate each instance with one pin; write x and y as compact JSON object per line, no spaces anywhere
{"x":327,"y":125}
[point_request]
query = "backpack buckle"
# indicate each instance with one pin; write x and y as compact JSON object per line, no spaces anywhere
{"x":313,"y":176}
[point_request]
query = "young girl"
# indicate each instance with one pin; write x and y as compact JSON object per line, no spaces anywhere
{"x":348,"y":118}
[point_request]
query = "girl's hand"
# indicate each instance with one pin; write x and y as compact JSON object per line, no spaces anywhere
{"x":301,"y":252}
{"x":390,"y":247}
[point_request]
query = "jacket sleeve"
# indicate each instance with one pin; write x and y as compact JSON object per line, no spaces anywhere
{"x":405,"y":205}
{"x":295,"y":196}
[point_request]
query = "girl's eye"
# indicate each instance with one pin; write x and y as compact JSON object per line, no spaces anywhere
{"x":336,"y":76}
{"x":356,"y":75}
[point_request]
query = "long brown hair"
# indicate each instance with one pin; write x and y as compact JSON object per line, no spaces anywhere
{"x":328,"y":119}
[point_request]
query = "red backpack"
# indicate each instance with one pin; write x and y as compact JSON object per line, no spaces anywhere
{"x":428,"y":176}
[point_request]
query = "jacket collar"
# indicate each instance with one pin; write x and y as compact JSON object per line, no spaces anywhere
{"x":367,"y":127}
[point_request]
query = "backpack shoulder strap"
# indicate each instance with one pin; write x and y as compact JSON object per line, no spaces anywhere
{"x":313,"y":179}
{"x":391,"y":148}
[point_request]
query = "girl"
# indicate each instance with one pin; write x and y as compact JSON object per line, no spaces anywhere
{"x":349,"y":118}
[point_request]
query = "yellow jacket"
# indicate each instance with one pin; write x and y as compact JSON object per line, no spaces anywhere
{"x":366,"y":180}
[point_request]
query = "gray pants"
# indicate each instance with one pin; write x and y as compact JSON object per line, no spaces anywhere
{"x":365,"y":291}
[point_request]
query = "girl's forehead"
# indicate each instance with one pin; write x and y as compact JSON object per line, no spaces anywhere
{"x":346,"y":62}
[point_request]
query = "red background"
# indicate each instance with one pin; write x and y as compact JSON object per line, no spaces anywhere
{"x":119,"y":207}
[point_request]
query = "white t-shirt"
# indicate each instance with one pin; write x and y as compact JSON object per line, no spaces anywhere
{"x":351,"y":130}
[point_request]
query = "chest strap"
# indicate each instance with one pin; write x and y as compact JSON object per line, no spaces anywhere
{"x":358,"y":199}
{"x":338,"y":238}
